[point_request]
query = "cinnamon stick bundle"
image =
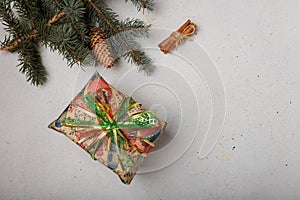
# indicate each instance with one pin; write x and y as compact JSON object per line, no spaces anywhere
{"x":177,"y":37}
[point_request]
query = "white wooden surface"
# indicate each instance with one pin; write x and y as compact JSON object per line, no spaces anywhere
{"x":256,"y":48}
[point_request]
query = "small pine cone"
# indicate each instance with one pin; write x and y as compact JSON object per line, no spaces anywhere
{"x":101,"y":47}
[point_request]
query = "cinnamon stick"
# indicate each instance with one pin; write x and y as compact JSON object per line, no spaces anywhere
{"x":182,"y":27}
{"x":177,"y":37}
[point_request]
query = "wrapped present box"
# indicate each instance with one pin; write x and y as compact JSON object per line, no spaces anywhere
{"x":110,"y":126}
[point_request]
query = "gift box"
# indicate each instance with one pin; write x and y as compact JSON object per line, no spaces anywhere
{"x":112,"y":127}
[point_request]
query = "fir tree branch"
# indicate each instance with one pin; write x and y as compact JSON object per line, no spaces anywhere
{"x":57,"y":3}
{"x":64,"y":39}
{"x":75,"y":11}
{"x":63,"y":26}
{"x":25,"y":10}
{"x":138,"y":57}
{"x":147,"y":67}
{"x":30,"y":63}
{"x":29,"y":58}
{"x":6,"y":15}
{"x":15,"y":43}
{"x":143,"y":4}
{"x":47,"y":10}
{"x":75,"y":55}
{"x":11,"y":23}
{"x":56,"y":17}
{"x":7,"y":40}
{"x":134,"y":26}
{"x":103,"y":16}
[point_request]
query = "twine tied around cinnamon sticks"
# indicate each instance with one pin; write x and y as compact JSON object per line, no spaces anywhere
{"x":177,"y":37}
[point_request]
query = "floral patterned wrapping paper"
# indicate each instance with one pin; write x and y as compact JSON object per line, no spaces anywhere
{"x":110,"y":126}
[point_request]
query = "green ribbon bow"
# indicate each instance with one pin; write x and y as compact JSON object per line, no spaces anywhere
{"x":110,"y":126}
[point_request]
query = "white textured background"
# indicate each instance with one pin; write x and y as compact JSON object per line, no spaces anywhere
{"x":256,"y":46}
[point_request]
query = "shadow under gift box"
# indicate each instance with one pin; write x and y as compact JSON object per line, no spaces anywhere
{"x":110,"y":126}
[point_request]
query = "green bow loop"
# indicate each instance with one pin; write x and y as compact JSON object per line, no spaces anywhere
{"x":125,"y":106}
{"x":95,"y":106}
{"x":144,"y":119}
{"x":131,"y":115}
{"x":78,"y":125}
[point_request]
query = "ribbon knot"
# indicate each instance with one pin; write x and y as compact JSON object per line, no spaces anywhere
{"x":112,"y":125}
{"x":179,"y":37}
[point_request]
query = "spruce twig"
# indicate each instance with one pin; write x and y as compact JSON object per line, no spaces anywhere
{"x":64,"y":26}
{"x":68,"y":7}
{"x":143,"y":4}
{"x":139,"y":58}
{"x":17,"y":42}
{"x":10,"y":22}
{"x":107,"y":21}
{"x":56,"y":17}
{"x":24,"y":6}
{"x":30,"y":63}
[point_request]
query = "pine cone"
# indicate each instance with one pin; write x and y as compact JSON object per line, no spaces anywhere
{"x":101,"y":47}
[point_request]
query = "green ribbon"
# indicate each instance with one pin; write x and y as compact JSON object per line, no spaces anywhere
{"x":143,"y":119}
